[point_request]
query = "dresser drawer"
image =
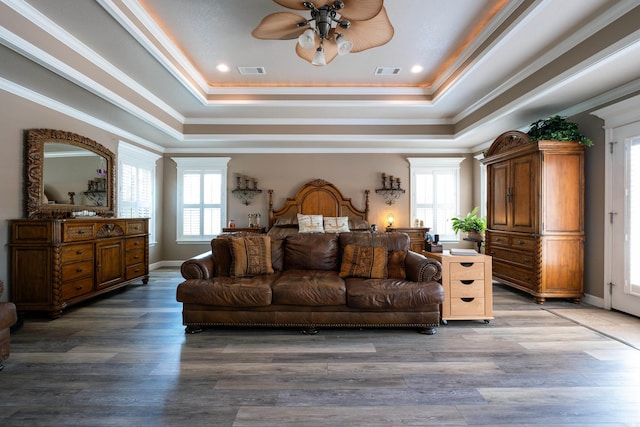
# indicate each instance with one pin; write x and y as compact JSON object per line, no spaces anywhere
{"x":76,"y":288}
{"x":74,"y":253}
{"x":134,"y":243}
{"x":77,"y":232}
{"x":77,"y":270}
{"x":467,"y":288}
{"x":497,"y":239}
{"x":134,"y":256}
{"x":466,"y":271}
{"x":523,"y":259}
{"x":526,"y":278}
{"x":523,"y":243}
{"x":134,"y":271}
{"x":467,"y":306}
{"x":136,"y":227}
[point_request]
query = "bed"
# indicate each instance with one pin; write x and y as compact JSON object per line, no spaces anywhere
{"x":317,"y":197}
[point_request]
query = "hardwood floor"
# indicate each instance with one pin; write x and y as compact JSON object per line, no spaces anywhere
{"x":124,"y":360}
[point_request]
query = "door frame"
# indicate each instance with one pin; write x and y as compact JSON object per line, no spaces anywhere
{"x":617,"y":115}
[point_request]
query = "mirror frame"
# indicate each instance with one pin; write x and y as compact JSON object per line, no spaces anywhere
{"x":34,"y":185}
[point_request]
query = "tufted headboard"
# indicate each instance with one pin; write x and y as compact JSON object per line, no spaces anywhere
{"x":317,"y":197}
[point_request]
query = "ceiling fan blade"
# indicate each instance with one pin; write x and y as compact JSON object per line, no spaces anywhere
{"x":280,"y":26}
{"x":297,"y":4}
{"x":360,"y":10}
{"x":367,"y":34}
{"x":330,"y":51}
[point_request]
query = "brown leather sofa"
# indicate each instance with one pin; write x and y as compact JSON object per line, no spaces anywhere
{"x":306,"y":290}
{"x":7,"y":318}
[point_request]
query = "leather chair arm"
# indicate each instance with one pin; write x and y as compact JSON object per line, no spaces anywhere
{"x":7,"y":315}
{"x":198,"y":267}
{"x":422,"y":269}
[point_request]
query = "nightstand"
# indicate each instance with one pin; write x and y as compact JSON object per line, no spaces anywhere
{"x":467,"y":283}
{"x":257,"y":230}
{"x":416,"y":236}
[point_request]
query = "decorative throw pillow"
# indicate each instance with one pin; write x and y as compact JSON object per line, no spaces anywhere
{"x":310,"y":224}
{"x":250,"y":256}
{"x":395,"y":265}
{"x":333,"y":224}
{"x":364,"y":261}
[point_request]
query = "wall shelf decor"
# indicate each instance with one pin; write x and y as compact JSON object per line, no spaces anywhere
{"x":391,"y":189}
{"x":246,"y":189}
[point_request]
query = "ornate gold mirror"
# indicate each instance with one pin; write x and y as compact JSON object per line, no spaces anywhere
{"x":68,"y":175}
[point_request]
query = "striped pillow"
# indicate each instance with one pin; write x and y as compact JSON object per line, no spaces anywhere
{"x":250,"y":256}
{"x":364,"y":261}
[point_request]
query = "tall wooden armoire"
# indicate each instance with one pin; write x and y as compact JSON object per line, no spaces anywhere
{"x":535,"y":215}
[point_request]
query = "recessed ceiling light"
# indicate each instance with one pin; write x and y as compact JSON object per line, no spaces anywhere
{"x":417,"y":68}
{"x":223,"y":68}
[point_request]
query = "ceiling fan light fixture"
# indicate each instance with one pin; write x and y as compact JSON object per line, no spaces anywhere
{"x":344,"y":45}
{"x":364,"y":22}
{"x":307,"y":40}
{"x":319,"y":58}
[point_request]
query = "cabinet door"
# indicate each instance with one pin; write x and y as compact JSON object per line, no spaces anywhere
{"x":524,"y":193}
{"x":497,"y":198}
{"x":109,"y":263}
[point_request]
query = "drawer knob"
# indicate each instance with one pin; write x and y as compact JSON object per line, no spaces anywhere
{"x":80,"y":252}
{"x":467,"y":299}
{"x":466,"y":264}
{"x":78,"y":270}
{"x":467,"y":282}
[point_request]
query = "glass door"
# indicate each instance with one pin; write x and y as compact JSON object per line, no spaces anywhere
{"x":624,"y":217}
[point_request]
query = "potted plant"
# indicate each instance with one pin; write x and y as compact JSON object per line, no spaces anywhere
{"x":557,"y":128}
{"x":471,"y":224}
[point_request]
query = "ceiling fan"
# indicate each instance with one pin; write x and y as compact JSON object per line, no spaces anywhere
{"x":335,"y":27}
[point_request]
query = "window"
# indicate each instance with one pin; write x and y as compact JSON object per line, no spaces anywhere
{"x":137,"y":184}
{"x":202,"y":195}
{"x":435,"y":193}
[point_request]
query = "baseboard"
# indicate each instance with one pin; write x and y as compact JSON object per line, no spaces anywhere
{"x":161,"y":264}
{"x":593,"y":300}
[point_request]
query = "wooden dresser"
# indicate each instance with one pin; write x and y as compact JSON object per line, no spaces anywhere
{"x":535,"y":215}
{"x":58,"y":263}
{"x":416,"y":236}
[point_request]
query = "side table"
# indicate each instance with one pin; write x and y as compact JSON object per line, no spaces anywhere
{"x":467,"y":283}
{"x":416,"y":236}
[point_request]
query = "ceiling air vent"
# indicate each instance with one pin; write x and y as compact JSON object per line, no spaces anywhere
{"x":252,"y":70}
{"x":387,"y":71}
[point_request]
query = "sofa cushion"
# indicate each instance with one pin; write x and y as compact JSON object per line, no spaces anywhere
{"x":311,"y":251}
{"x":336,"y":224}
{"x":277,"y":252}
{"x":221,"y":254}
{"x":395,"y":264}
{"x":228,"y":291}
{"x":391,"y":241}
{"x":250,"y":256}
{"x":310,"y":224}
{"x":391,"y":293}
{"x":309,"y":288}
{"x":364,"y":261}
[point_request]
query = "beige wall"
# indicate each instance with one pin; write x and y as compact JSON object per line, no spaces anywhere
{"x":286,"y":173}
{"x":594,"y":280}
